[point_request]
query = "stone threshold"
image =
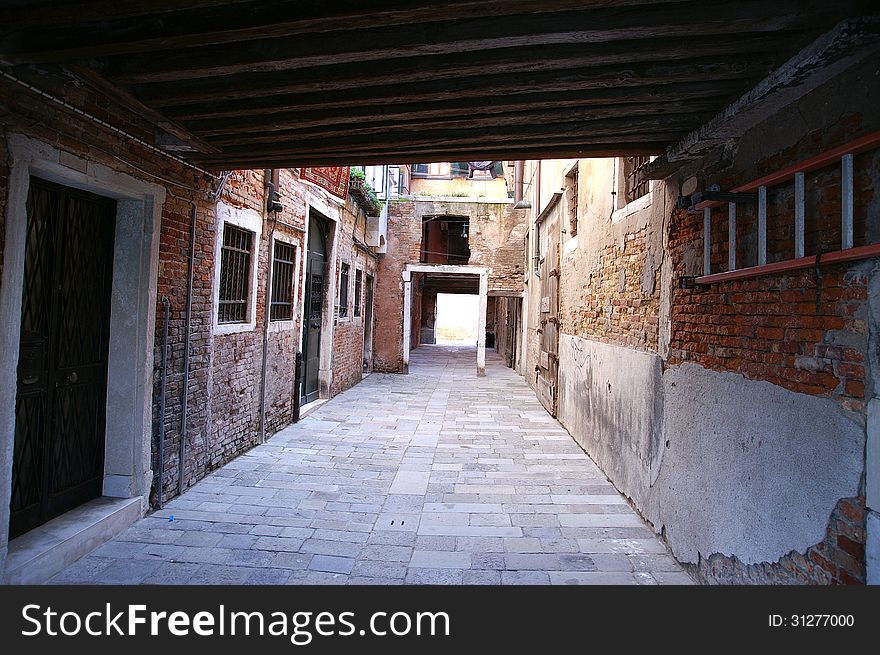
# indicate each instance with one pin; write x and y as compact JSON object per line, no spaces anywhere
{"x":36,"y":556}
{"x":307,"y":409}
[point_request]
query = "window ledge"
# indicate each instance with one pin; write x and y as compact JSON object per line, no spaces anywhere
{"x":234,"y":328}
{"x":837,"y":257}
{"x":282,"y":326}
{"x":628,"y":210}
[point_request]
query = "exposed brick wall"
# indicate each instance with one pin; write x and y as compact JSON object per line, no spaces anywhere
{"x":804,"y":330}
{"x":496,"y":237}
{"x":403,"y":245}
{"x":224,"y":377}
{"x":618,"y":300}
{"x":348,"y":332}
{"x":838,"y":559}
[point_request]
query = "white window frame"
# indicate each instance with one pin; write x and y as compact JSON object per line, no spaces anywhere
{"x":347,"y":317}
{"x":637,"y":205}
{"x":286,"y":326}
{"x":246,"y":219}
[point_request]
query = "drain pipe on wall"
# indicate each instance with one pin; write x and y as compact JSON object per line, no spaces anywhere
{"x":272,"y":206}
{"x":160,"y":448}
{"x":181,"y":458}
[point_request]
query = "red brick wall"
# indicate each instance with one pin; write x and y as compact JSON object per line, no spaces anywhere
{"x":403,"y":245}
{"x":348,"y":332}
{"x":610,"y":304}
{"x":224,"y":379}
{"x":804,"y":330}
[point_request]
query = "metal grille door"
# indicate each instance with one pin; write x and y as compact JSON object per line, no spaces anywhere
{"x":58,"y":458}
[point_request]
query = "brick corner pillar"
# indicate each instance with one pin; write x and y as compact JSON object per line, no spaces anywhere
{"x":407,"y":318}
{"x":481,"y":324}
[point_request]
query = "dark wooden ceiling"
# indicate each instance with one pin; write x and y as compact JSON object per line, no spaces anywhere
{"x":271,"y":83}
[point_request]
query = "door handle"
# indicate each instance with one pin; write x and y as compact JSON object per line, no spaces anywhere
{"x":31,"y":379}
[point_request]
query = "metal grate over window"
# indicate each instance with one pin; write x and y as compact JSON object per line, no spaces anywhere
{"x":235,"y":272}
{"x":634,"y":188}
{"x":358,"y":284}
{"x":281,"y":308}
{"x":343,"y":291}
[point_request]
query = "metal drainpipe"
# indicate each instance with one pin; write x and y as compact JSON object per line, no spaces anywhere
{"x":181,"y":459}
{"x":518,"y":173}
{"x":160,"y":465}
{"x":272,"y":180}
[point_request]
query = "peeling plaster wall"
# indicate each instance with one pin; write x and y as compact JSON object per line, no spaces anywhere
{"x":698,"y":452}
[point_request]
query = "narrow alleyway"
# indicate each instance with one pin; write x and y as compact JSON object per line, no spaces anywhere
{"x":437,"y":477}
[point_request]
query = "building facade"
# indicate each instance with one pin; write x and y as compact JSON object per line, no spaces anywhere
{"x":171,"y":340}
{"x":718,"y":358}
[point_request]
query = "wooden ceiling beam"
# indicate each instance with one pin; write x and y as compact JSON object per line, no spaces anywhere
{"x":86,"y":30}
{"x":221,"y":118}
{"x":684,"y":112}
{"x":477,"y":35}
{"x":473,"y":140}
{"x":510,"y":61}
{"x":510,"y":152}
{"x":643,"y":73}
{"x":471,"y":119}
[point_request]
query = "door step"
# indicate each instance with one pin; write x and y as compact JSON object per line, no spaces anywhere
{"x":37,"y":555}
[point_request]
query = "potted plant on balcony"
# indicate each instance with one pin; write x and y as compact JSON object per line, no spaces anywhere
{"x":363,"y":193}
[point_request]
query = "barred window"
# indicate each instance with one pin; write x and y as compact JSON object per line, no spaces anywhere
{"x":358,"y":283}
{"x":281,"y":308}
{"x":632,"y":168}
{"x":343,"y":291}
{"x":235,"y":274}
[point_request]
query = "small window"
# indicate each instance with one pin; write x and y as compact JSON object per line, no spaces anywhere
{"x":632,"y":169}
{"x":537,"y":258}
{"x":358,"y":283}
{"x":343,"y":291}
{"x":571,"y":201}
{"x":281,"y":308}
{"x":235,"y":274}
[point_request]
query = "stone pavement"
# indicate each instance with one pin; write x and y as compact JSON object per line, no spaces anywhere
{"x":438,"y":477}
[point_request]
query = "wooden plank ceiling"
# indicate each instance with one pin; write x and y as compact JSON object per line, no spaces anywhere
{"x":271,"y":83}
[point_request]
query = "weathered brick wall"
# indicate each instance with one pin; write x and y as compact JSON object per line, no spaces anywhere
{"x":803,"y":330}
{"x":403,"y":247}
{"x":838,"y":559}
{"x":617,"y":299}
{"x":224,"y":376}
{"x":807,"y":331}
{"x":496,"y":236}
{"x":348,"y":332}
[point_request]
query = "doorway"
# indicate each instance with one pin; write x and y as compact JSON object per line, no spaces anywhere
{"x":368,"y":324}
{"x":316,"y":269}
{"x":61,"y":390}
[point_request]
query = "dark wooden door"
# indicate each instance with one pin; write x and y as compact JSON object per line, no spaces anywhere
{"x":58,"y":457}
{"x":547,"y":374}
{"x":316,"y":264}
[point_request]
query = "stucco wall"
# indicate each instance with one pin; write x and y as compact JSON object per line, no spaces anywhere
{"x":717,"y":462}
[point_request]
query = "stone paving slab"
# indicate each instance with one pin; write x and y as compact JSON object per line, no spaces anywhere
{"x":437,"y":477}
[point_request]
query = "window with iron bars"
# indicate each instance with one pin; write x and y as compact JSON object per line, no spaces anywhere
{"x":235,"y":274}
{"x":358,"y":284}
{"x":632,"y":168}
{"x":343,"y":290}
{"x":283,"y":261}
